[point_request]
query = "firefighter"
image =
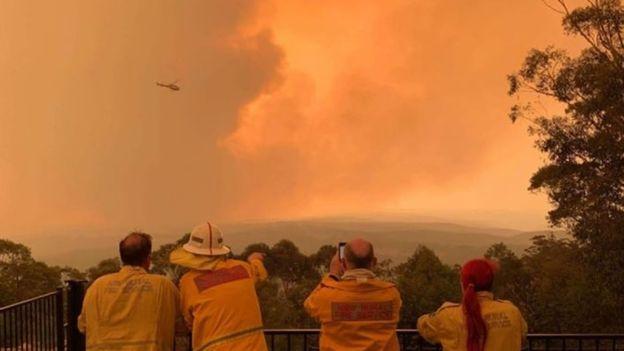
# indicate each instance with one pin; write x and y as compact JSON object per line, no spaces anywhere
{"x":480,"y":322}
{"x":131,"y":309}
{"x":218,"y":296}
{"x":356,"y":310}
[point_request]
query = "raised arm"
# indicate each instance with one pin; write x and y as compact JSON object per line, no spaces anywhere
{"x":256,"y":260}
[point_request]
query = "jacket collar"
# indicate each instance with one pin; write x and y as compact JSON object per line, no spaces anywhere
{"x":132,"y":270}
{"x":186,"y":259}
{"x":358,"y":274}
{"x":485,"y":295}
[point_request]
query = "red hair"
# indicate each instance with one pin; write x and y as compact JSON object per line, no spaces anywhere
{"x":476,"y":275}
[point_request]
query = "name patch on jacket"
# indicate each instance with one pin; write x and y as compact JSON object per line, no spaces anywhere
{"x":220,"y":276}
{"x":130,"y":287}
{"x":497,"y":320}
{"x":361,"y":311}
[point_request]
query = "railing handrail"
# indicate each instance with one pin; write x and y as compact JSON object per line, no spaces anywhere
{"x":415,"y":331}
{"x":25,"y":302}
{"x":578,"y":336}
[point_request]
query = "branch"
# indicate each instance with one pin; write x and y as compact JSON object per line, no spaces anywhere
{"x":539,"y":91}
{"x":530,"y":120}
{"x":553,"y":8}
{"x":580,"y":31}
{"x":605,"y":36}
{"x":619,"y":34}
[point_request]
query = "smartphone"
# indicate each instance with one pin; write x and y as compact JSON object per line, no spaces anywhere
{"x":341,"y":250}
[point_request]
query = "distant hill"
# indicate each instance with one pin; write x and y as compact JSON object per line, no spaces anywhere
{"x":453,"y":243}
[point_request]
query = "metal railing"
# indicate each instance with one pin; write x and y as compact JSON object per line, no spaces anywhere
{"x":48,"y":323}
{"x":574,"y":342}
{"x":308,"y":340}
{"x":34,"y":324}
{"x":410,"y":340}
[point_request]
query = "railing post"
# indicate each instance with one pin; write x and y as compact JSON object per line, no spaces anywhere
{"x":75,"y":295}
{"x":60,"y":324}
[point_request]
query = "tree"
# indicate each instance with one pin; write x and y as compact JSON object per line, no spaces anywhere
{"x":71,"y":273}
{"x":257,"y":247}
{"x":425,"y":283}
{"x":161,"y":263}
{"x":290,"y":265}
{"x":107,"y":266}
{"x":22,"y":277}
{"x":511,"y":279}
{"x":295,"y":275}
{"x":559,"y":283}
{"x":385,"y":270}
{"x":321,"y":259}
{"x":584,"y":175}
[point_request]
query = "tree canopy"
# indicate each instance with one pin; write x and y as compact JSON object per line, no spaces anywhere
{"x":584,"y":173}
{"x":21,"y":276}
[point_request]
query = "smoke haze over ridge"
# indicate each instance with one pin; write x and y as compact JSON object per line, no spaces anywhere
{"x":287,"y":109}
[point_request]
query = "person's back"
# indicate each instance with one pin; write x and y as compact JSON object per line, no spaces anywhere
{"x":357,"y":311}
{"x":223,"y":306}
{"x":218,"y":296}
{"x":130,"y":310}
{"x":505,"y":325}
{"x":479,"y":323}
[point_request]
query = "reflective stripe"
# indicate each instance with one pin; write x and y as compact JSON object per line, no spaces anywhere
{"x":224,"y":338}
{"x":119,"y":344}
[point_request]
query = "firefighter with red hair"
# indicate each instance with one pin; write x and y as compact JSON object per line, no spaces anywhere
{"x":480,"y":322}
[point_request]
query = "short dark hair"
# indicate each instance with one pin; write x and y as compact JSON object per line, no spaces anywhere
{"x":135,"y":248}
{"x":360,"y":261}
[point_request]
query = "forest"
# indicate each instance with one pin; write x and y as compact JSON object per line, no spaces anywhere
{"x":551,"y":282}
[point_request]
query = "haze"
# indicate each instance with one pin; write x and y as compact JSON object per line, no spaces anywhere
{"x":287,"y":109}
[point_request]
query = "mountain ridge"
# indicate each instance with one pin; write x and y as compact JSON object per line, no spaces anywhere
{"x":396,"y":240}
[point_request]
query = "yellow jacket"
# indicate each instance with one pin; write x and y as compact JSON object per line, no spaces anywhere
{"x":505,"y":324}
{"x":130,"y":310}
{"x":356,"y":314}
{"x":221,"y":306}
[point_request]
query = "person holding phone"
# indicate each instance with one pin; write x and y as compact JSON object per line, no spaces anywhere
{"x":357,"y":311}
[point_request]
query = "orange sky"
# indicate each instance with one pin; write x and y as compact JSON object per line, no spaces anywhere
{"x":287,"y":109}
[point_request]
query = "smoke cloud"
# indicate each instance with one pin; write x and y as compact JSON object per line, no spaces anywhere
{"x":286,"y":108}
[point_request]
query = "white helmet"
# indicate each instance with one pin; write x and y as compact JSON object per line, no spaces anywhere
{"x":206,"y":239}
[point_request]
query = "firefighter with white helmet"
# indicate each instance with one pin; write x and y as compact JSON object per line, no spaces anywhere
{"x":218,"y":296}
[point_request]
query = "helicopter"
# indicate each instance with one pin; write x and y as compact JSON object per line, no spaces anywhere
{"x":172,"y":86}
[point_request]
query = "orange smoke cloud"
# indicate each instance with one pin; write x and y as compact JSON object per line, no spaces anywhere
{"x":286,"y":108}
{"x":381,"y":99}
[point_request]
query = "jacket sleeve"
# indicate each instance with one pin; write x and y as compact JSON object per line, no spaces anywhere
{"x":312,"y":303}
{"x":433,"y":326}
{"x":525,"y":327}
{"x":174,"y":297}
{"x":185,"y":305}
{"x":86,"y":302}
{"x":398,"y":304}
{"x":258,"y":271}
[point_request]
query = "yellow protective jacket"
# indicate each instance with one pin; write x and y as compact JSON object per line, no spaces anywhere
{"x":221,"y":307}
{"x":505,"y":324}
{"x":356,"y":314}
{"x":130,"y":310}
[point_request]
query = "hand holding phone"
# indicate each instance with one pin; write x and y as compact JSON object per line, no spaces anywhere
{"x":341,"y":250}
{"x":337,"y":264}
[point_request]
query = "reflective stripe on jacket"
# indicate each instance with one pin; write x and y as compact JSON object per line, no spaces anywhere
{"x":221,"y":306}
{"x":356,"y":314}
{"x":130,"y":310}
{"x":506,"y":326}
